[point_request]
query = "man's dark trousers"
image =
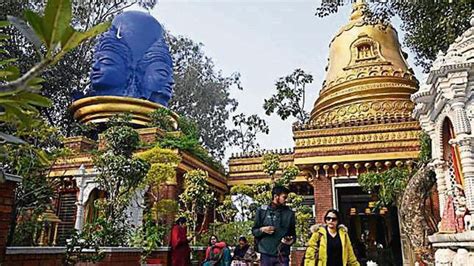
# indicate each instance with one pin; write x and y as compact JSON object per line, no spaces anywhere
{"x":267,"y":260}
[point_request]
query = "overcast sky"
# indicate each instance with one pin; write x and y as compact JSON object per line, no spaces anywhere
{"x":262,"y":40}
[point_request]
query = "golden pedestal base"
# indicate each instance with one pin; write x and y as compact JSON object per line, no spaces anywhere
{"x":100,"y":109}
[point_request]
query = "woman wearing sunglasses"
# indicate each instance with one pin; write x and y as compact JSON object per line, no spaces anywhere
{"x":329,"y":244}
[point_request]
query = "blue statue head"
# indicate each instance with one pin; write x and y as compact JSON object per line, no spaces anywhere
{"x":112,"y":66}
{"x":132,"y":59}
{"x":156,"y":74}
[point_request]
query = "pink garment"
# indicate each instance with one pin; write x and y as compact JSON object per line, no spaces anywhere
{"x":460,"y":224}
{"x":448,"y":221}
{"x":218,"y":247}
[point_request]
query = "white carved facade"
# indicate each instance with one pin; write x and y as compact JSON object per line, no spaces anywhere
{"x":445,"y":109}
{"x":86,"y":184}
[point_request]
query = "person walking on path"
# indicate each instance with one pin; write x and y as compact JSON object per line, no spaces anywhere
{"x":180,"y":250}
{"x":330,"y":244}
{"x":274,"y":229}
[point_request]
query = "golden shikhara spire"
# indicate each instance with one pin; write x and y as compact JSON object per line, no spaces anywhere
{"x":367,"y":76}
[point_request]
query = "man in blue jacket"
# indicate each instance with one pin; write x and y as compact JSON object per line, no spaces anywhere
{"x":274,"y":229}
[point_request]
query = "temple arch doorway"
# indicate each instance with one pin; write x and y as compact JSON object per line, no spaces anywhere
{"x":374,"y":233}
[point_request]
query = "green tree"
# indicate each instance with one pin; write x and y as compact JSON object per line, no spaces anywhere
{"x":429,"y":26}
{"x":202,"y":93}
{"x":247,"y":129}
{"x":30,"y":160}
{"x":227,"y":210}
{"x":163,"y":163}
{"x":290,"y":97}
{"x":271,"y":164}
{"x":120,"y":175}
{"x":228,"y":232}
{"x":55,"y":37}
{"x":242,"y":196}
{"x":162,"y":118}
{"x":389,"y":185}
{"x":52,"y":37}
{"x":160,"y":211}
{"x":196,"y":199}
{"x":185,"y":137}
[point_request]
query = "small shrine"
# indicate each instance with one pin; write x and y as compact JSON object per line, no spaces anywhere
{"x":49,"y":231}
{"x":445,"y":109}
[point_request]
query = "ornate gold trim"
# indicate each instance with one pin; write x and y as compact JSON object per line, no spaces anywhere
{"x":357,"y":157}
{"x":299,"y":133}
{"x":359,"y":138}
{"x":359,"y":147}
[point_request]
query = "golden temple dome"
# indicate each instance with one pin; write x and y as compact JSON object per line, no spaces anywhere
{"x":367,"y":75}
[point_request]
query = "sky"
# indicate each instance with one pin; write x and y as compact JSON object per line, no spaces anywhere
{"x":262,"y":40}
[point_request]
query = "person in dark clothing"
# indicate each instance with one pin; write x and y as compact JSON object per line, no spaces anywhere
{"x":243,"y":253}
{"x":274,"y":229}
{"x":180,"y":250}
{"x":332,"y":243}
{"x":334,"y":248}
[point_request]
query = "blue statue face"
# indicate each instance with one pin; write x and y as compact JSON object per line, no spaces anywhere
{"x":155,"y":70}
{"x":111,"y":66}
{"x":109,"y":71}
{"x":158,"y":80}
{"x":132,"y":59}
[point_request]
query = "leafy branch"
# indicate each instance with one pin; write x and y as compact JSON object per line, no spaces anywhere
{"x":52,"y":33}
{"x":290,"y":97}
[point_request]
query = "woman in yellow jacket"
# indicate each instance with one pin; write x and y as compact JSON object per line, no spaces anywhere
{"x":333,"y":243}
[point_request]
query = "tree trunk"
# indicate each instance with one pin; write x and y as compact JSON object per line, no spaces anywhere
{"x":413,"y":218}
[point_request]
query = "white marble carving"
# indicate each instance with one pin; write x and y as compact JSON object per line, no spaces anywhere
{"x":448,"y":94}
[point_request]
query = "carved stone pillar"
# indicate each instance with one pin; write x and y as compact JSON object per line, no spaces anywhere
{"x":461,"y":122}
{"x":439,"y":167}
{"x":465,"y":144}
{"x":81,"y":184}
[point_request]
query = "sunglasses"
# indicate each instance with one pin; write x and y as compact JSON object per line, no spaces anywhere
{"x":331,"y":219}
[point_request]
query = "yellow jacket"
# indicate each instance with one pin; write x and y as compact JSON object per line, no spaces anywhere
{"x":319,"y":231}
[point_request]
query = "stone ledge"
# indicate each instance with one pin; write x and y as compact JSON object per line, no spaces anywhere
{"x":58,"y":250}
{"x":121,"y":249}
{"x":162,"y":249}
{"x":468,"y":245}
{"x":13,"y":178}
{"x":35,"y":250}
{"x":465,"y":239}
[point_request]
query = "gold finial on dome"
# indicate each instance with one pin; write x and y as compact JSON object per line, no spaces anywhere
{"x":367,"y":75}
{"x":358,"y":9}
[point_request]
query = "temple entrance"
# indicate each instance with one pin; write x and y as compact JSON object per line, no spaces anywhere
{"x":375,"y":235}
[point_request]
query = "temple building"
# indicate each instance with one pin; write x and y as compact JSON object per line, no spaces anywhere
{"x":361,"y":121}
{"x":131,"y":73}
{"x":77,"y":190}
{"x":445,"y":108}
